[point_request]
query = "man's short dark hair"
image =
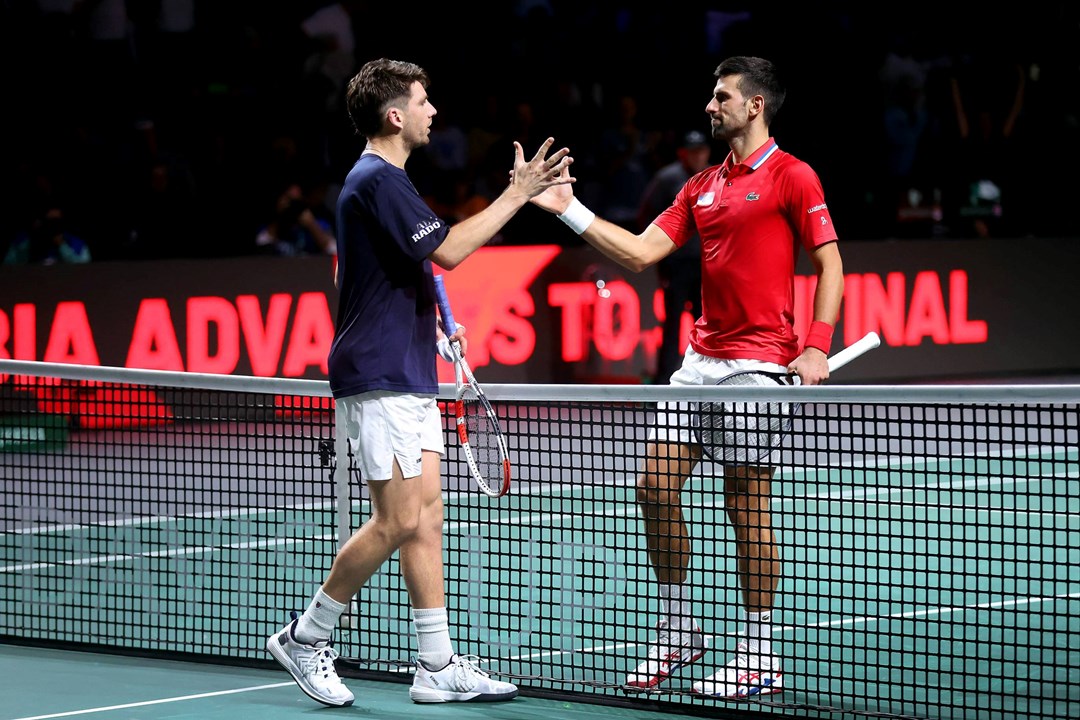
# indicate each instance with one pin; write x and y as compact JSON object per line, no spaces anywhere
{"x":376,"y":87}
{"x":757,"y":76}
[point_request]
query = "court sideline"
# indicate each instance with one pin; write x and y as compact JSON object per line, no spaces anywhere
{"x":45,"y":683}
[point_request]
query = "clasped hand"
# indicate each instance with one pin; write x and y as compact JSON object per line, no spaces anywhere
{"x":542,"y":173}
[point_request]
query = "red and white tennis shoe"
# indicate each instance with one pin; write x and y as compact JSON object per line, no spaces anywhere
{"x":746,"y":675}
{"x":672,"y":650}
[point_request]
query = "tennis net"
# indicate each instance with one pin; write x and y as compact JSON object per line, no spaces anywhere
{"x":930,"y":538}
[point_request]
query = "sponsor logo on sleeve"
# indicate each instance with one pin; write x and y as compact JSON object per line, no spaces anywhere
{"x":425,"y":228}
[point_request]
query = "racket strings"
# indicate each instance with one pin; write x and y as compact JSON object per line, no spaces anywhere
{"x":745,"y":432}
{"x":483,"y":438}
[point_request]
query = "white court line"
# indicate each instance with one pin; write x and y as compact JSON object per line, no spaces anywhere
{"x":547,"y":489}
{"x":867,"y":620}
{"x":162,"y":519}
{"x":1033,"y":453}
{"x":180,"y":698}
{"x":862,"y":496}
{"x":855,"y":495}
{"x":172,"y":552}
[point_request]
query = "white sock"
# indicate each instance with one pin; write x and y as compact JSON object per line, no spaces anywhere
{"x":433,"y":637}
{"x":675,"y":606}
{"x":319,"y":620}
{"x":759,"y":632}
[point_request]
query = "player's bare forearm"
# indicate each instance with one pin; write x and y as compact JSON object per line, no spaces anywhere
{"x":830,"y":283}
{"x":812,"y":365}
{"x":633,"y":252}
{"x":527,"y":180}
{"x":472,"y":233}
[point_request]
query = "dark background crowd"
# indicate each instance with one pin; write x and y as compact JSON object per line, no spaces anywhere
{"x":205,"y":128}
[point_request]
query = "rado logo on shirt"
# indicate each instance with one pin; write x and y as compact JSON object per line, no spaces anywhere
{"x":426,"y":229}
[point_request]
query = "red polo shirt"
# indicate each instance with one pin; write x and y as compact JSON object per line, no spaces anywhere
{"x":750,"y":216}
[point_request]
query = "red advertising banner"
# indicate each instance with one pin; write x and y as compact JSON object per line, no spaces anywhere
{"x":545,"y":314}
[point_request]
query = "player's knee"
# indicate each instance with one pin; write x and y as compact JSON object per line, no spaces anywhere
{"x":430,"y":522}
{"x":748,"y":522}
{"x":652,"y":495}
{"x":399,"y":527}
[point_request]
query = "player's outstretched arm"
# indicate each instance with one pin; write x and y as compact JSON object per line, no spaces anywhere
{"x":633,"y":252}
{"x":528,"y":179}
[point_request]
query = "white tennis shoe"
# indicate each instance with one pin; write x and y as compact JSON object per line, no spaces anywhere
{"x":459,"y":681}
{"x":311,"y":666}
{"x":671,"y":651}
{"x":746,"y":675}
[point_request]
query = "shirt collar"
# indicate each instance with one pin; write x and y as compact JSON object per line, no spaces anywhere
{"x":756,"y":160}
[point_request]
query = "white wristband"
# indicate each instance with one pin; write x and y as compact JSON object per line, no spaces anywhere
{"x":577,"y":216}
{"x":442,"y":346}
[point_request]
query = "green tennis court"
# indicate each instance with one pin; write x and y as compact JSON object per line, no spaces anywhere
{"x":932,"y":565}
{"x":869,"y":571}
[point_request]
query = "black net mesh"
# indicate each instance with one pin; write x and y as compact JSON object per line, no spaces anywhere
{"x":929,"y":553}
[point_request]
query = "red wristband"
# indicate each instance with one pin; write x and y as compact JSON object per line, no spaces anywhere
{"x":820,"y":336}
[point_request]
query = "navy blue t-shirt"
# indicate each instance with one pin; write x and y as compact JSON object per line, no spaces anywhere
{"x":385,"y":334}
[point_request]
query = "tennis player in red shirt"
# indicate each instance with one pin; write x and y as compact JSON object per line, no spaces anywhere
{"x":753,"y":211}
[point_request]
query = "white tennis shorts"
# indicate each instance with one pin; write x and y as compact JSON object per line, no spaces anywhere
{"x":383,"y":426}
{"x":675,"y":420}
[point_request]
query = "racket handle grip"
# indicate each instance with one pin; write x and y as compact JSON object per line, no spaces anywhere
{"x":867,"y":342}
{"x":449,"y":326}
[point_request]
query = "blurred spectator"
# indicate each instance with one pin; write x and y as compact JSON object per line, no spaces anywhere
{"x":168,"y":53}
{"x":457,"y":198}
{"x":294,"y":228}
{"x":622,"y":159}
{"x":723,"y":28}
{"x":165,"y":213}
{"x":48,"y":241}
{"x":491,"y":177}
{"x":331,"y":58}
{"x":448,"y":145}
{"x":109,"y":65}
{"x":486,"y":130}
{"x":216,"y":82}
{"x":680,"y":272}
{"x":911,"y":194}
{"x":988,"y":97}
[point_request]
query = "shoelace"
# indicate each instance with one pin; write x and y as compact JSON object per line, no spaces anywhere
{"x":743,"y":659}
{"x":663,"y":646}
{"x":318,"y":662}
{"x":466,"y":675}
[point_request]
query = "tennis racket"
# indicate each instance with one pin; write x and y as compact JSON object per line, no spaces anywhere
{"x":747,"y":433}
{"x":478,"y":427}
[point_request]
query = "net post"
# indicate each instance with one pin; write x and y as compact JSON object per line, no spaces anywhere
{"x":343,"y":501}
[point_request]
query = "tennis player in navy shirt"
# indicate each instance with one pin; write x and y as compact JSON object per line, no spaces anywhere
{"x":383,"y":377}
{"x":386,"y":312}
